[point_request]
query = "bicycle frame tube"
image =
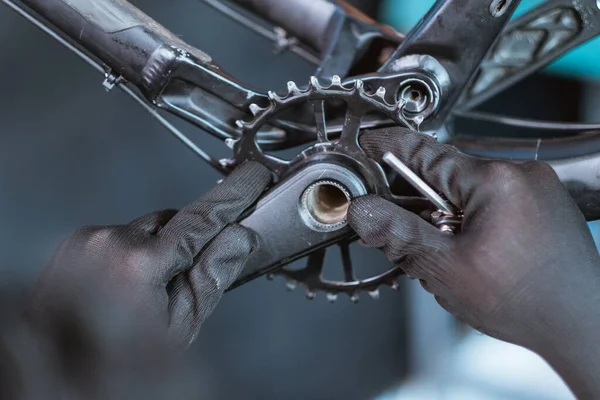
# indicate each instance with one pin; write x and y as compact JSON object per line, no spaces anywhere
{"x":444,"y":33}
{"x":334,"y":30}
{"x":531,"y":42}
{"x":307,"y":20}
{"x":139,"y":50}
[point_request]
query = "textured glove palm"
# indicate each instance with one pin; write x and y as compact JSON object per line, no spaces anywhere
{"x":195,"y":253}
{"x":524,"y":269}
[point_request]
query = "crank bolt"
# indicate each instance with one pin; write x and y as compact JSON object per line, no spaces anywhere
{"x":445,"y":222}
{"x":415,"y":98}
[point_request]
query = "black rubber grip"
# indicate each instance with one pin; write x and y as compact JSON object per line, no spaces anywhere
{"x":130,"y":42}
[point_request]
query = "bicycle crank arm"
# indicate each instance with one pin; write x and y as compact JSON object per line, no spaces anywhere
{"x":307,"y":212}
{"x":301,"y":214}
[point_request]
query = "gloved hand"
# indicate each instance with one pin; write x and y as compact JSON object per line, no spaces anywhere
{"x":195,"y":253}
{"x":524,"y":269}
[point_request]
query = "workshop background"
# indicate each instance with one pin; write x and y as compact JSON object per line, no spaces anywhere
{"x":73,"y":155}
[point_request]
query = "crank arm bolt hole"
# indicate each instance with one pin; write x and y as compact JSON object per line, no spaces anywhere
{"x":324,"y":205}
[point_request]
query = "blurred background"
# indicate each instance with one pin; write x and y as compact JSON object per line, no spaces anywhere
{"x":73,"y":155}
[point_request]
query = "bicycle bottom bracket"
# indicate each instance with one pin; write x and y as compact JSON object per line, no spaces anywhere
{"x":324,"y":205}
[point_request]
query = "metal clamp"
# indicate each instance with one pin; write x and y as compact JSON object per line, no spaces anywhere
{"x":111,"y":80}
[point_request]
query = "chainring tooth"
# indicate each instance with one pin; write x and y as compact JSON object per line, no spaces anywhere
{"x":331,"y":297}
{"x":246,"y":148}
{"x":291,"y":285}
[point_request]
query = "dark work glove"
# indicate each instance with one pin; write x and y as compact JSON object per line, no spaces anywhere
{"x":524,"y":269}
{"x":171,"y":265}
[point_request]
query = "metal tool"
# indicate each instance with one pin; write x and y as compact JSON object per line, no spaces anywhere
{"x":447,"y":218}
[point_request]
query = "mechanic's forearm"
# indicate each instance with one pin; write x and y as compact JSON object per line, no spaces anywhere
{"x":572,"y":347}
{"x":578,"y":364}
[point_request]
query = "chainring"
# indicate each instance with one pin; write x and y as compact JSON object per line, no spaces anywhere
{"x":358,"y":103}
